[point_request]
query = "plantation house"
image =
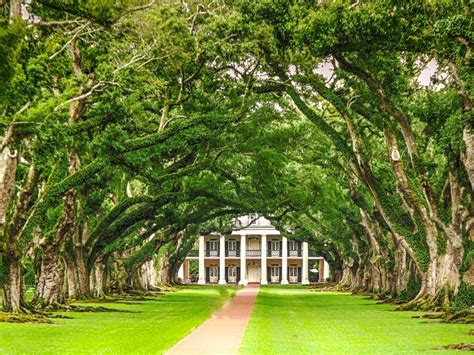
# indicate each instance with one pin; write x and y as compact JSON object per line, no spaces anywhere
{"x":257,"y":253}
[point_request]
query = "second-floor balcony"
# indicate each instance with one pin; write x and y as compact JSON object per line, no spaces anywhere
{"x":295,"y":253}
{"x":254,"y":253}
{"x":216,"y":253}
{"x":232,"y":253}
{"x":274,"y":253}
{"x":211,"y":253}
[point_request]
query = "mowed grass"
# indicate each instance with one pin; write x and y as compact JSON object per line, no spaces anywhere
{"x":156,"y":324}
{"x":295,"y":320}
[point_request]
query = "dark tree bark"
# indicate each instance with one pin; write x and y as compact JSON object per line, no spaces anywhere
{"x":12,"y":258}
{"x":49,"y":287}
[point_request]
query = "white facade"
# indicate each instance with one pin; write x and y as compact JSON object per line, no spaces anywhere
{"x":255,"y":253}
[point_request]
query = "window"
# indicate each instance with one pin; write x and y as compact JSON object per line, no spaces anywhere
{"x":293,"y":271}
{"x":293,"y":245}
{"x":213,"y":271}
{"x":275,"y":245}
{"x":213,"y":248}
{"x":232,"y":245}
{"x":213,"y":245}
{"x":232,"y":271}
{"x":275,"y":271}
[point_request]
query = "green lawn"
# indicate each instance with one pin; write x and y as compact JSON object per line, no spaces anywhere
{"x":157,"y":324}
{"x":295,"y":320}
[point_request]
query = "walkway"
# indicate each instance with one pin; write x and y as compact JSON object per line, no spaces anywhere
{"x":223,"y":332}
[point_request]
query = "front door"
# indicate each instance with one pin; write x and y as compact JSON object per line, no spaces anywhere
{"x":293,"y":274}
{"x":253,"y":273}
{"x":275,"y":274}
{"x":232,"y":274}
{"x":213,"y":274}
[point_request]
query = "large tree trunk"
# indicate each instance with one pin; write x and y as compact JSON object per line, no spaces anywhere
{"x":174,"y":269}
{"x":442,"y":277}
{"x":15,"y":9}
{"x":400,"y":277}
{"x":164,"y":270}
{"x":167,"y":273}
{"x":12,"y":288}
{"x":468,"y":155}
{"x":71,"y":278}
{"x":443,"y":268}
{"x":350,"y":270}
{"x":149,"y":275}
{"x":441,"y":282}
{"x":8,"y":165}
{"x":83,"y":284}
{"x":100,"y":277}
{"x":49,"y":288}
{"x":12,"y":259}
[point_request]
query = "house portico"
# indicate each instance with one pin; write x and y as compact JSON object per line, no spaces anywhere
{"x":257,"y":253}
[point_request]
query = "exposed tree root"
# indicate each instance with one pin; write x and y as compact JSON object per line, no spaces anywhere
{"x":464,"y":317}
{"x":167,"y":288}
{"x":392,"y":300}
{"x":123,"y":299}
{"x":421,"y":305}
{"x":328,"y":287}
{"x":461,"y":347}
{"x":24,"y":318}
{"x":76,"y":308}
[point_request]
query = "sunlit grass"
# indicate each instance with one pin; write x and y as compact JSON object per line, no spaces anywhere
{"x":154,"y":326}
{"x":289,"y":320}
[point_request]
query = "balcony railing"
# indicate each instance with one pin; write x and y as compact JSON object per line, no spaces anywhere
{"x":254,"y":253}
{"x":232,"y":253}
{"x":295,"y":253}
{"x":211,"y":252}
{"x":274,"y":253}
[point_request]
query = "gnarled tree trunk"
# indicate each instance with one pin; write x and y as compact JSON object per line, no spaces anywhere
{"x":49,"y":287}
{"x":12,"y":288}
{"x":100,"y":277}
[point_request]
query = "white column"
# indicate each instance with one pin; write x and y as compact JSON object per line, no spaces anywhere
{"x":263,"y":262}
{"x":181,"y":272}
{"x":326,"y":270}
{"x":304,"y":269}
{"x":202,"y":269}
{"x":321,"y":270}
{"x":243,"y":260}
{"x":186,"y":271}
{"x":222,"y":260}
{"x":284,"y":261}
